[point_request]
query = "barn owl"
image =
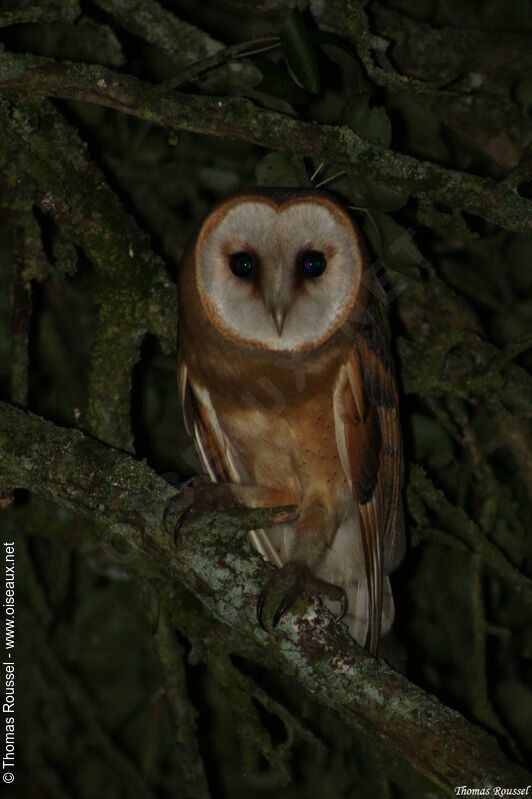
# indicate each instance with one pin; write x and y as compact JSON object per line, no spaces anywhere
{"x":287,"y":387}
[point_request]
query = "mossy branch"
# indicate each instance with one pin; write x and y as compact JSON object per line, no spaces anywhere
{"x":461,"y":530}
{"x":213,"y":562}
{"x":149,"y":20}
{"x":171,"y":658}
{"x":43,"y":11}
{"x":239,"y":119}
{"x":133,"y":294}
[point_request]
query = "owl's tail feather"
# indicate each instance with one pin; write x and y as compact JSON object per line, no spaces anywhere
{"x":357,"y":616}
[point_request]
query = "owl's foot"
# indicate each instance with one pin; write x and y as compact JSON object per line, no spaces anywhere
{"x":197,"y":497}
{"x":289,"y":582}
{"x":200,"y":496}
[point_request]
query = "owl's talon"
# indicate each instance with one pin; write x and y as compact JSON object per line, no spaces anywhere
{"x":200,"y":495}
{"x":343,"y":608}
{"x":260,"y":610}
{"x":180,"y":521}
{"x":171,"y":521}
{"x":285,"y":605}
{"x":288,"y":582}
{"x":278,"y":580}
{"x":178,"y":507}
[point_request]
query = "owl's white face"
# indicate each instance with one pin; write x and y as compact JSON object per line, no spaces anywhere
{"x":282,"y":277}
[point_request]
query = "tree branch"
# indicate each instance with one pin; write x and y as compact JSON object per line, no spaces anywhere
{"x":239,"y":119}
{"x":44,"y":11}
{"x":133,"y":294}
{"x":171,"y":658}
{"x":213,"y":562}
{"x":465,"y":531}
{"x":182,"y":41}
{"x":187,"y":45}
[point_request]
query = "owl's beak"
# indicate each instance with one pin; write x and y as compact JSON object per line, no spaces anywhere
{"x":277,"y":298}
{"x":278,"y":313}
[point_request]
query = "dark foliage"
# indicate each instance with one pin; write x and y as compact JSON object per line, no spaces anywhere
{"x":122,"y":121}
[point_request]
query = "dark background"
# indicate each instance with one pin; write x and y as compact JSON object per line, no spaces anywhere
{"x":92,"y":716}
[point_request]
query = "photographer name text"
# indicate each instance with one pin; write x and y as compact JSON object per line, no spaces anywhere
{"x":8,"y":663}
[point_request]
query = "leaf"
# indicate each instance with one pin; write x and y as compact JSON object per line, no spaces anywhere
{"x":277,"y":170}
{"x":392,"y":242}
{"x":277,"y":82}
{"x":372,"y":124}
{"x":342,"y":56}
{"x":300,"y":52}
{"x":369,"y":194}
{"x":421,"y":130}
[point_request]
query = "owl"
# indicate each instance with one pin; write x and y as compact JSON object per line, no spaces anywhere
{"x":287,"y":387}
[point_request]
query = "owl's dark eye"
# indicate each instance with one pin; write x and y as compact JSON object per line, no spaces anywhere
{"x":241,"y":264}
{"x":313,"y":263}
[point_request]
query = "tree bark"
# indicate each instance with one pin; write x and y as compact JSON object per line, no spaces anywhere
{"x":211,"y":559}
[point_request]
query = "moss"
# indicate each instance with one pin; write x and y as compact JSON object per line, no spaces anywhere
{"x":234,"y":118}
{"x":128,"y":295}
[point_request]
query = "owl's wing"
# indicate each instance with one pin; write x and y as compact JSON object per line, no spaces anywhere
{"x":201,"y":422}
{"x":214,"y":448}
{"x":369,"y":444}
